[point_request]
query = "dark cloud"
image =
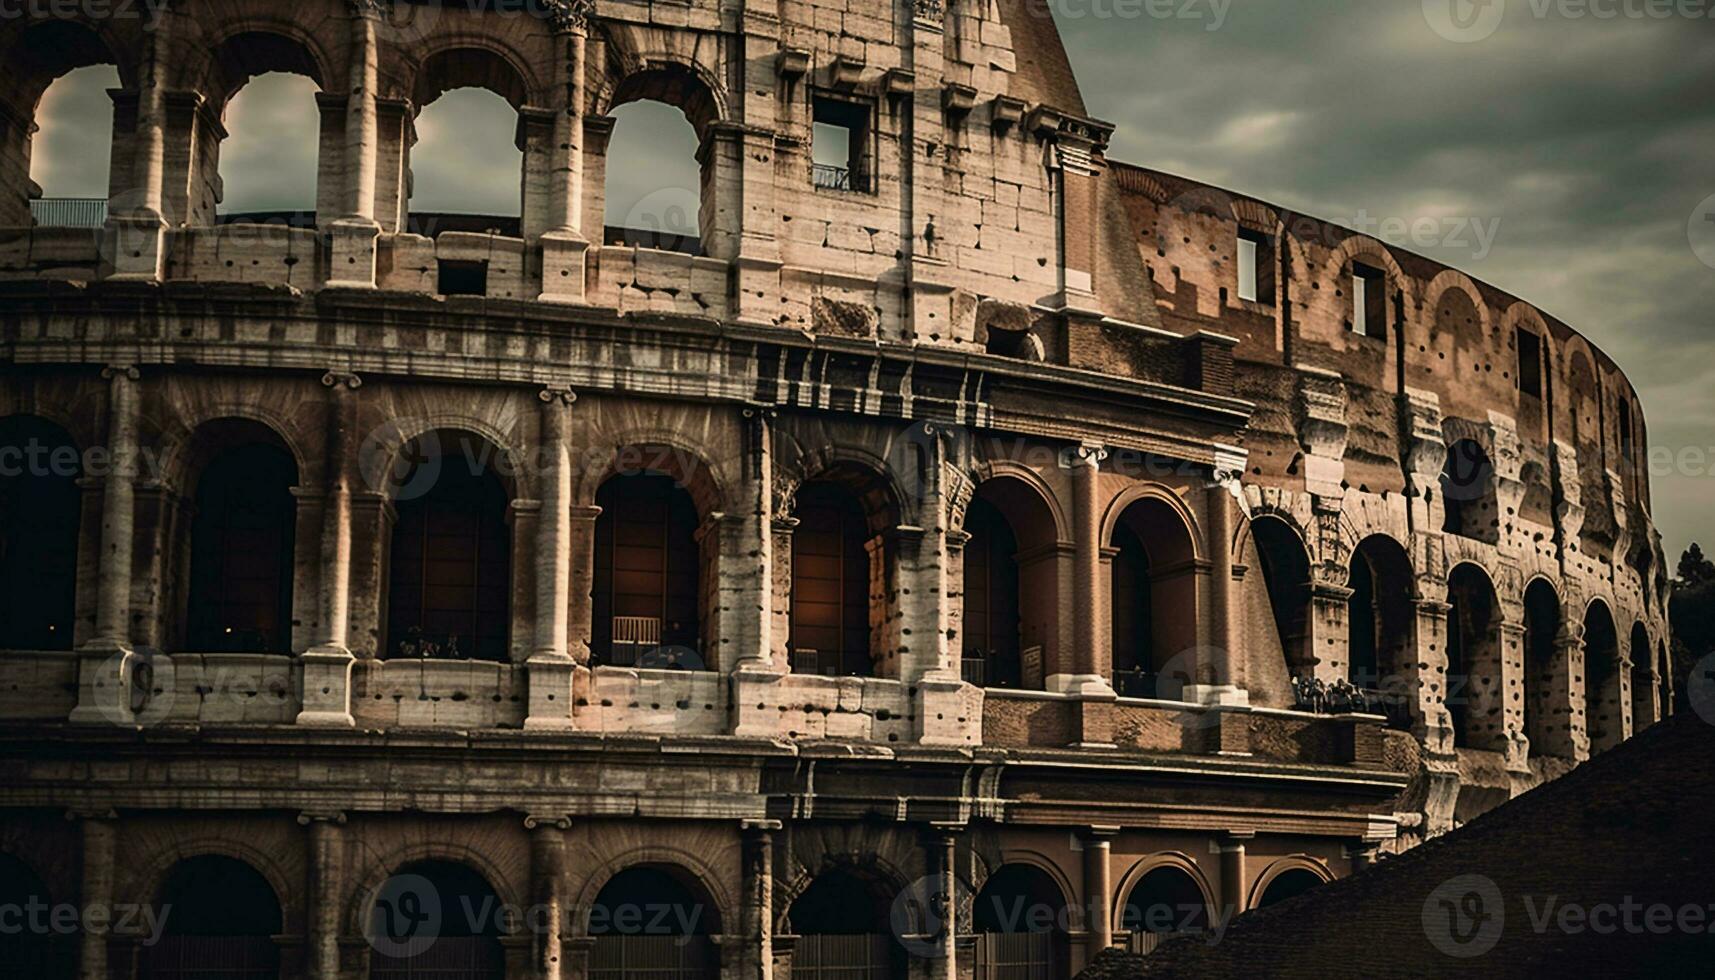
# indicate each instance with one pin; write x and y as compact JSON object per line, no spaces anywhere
{"x":1588,"y":141}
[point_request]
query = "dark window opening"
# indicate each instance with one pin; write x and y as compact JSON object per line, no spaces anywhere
{"x":463,"y":278}
{"x":40,"y":510}
{"x":451,"y":569}
{"x":1529,"y":364}
{"x":646,"y":922}
{"x":466,"y":942}
{"x":845,"y":930}
{"x":1167,"y":902}
{"x":992,"y":619}
{"x":1256,"y":267}
{"x":1625,"y":423}
{"x":1288,"y":884}
{"x":1545,"y":683}
{"x":1369,"y":300}
{"x":241,"y":553}
{"x":830,"y":584}
{"x":224,"y":919}
{"x":1134,"y":651}
{"x":1020,"y":918}
{"x":647,"y":575}
{"x":840,"y":143}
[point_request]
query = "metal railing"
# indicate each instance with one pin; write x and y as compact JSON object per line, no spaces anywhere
{"x":653,"y":958}
{"x":831,"y":178}
{"x":69,"y":212}
{"x":861,"y":957}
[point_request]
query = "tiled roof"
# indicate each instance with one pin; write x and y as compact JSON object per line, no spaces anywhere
{"x":1607,"y":871}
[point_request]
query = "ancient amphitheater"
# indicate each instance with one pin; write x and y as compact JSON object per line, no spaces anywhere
{"x":541,"y":597}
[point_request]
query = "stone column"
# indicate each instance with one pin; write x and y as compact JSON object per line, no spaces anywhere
{"x":551,"y":664}
{"x":1098,"y":887}
{"x":354,"y":235}
{"x":781,"y":530}
{"x":563,"y":245}
{"x":135,"y":237}
{"x":1328,"y":643}
{"x":1425,"y":658}
{"x":756,"y":913}
{"x":547,"y":894}
{"x":324,"y":873}
{"x":943,"y":845}
{"x":746,"y":565}
{"x":1220,"y":677}
{"x":96,"y":889}
{"x":582,"y":615}
{"x":1571,"y":738}
{"x":327,"y":663}
{"x":1515,"y":741}
{"x":104,"y":663}
{"x":1233,"y":878}
{"x":1092,"y":657}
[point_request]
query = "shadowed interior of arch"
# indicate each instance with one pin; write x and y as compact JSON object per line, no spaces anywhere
{"x":1154,"y":598}
{"x":436,"y":918}
{"x":222,"y":916}
{"x":845,"y":928}
{"x":1021,"y":924}
{"x":1166,"y":901}
{"x":653,"y":921}
{"x":648,"y":588}
{"x":40,"y":516}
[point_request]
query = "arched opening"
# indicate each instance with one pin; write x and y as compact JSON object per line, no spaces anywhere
{"x":28,"y":946}
{"x":841,"y":562}
{"x":1022,"y":926}
{"x":1546,"y":691}
{"x":1644,"y":706}
{"x":1153,"y":600}
{"x":991,"y":654}
{"x":436,"y":919}
{"x":72,"y":153}
{"x":223,"y":922}
{"x":1286,"y":574}
{"x":40,"y":510}
{"x":1379,"y":625}
{"x":243,"y":529}
{"x":1290,"y":883}
{"x":648,"y":581}
{"x":1468,"y":493}
{"x":268,"y":156}
{"x":450,"y":564}
{"x":653,"y":922}
{"x":1474,"y":693}
{"x":1603,"y":712}
{"x":467,"y":123}
{"x":657,"y":164}
{"x":842,"y":921}
{"x":1165,"y":902}
{"x":57,"y":157}
{"x":1010,"y":587}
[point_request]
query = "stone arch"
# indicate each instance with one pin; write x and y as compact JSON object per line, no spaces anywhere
{"x":1285,"y":865}
{"x":1380,"y":617}
{"x":1645,"y":672}
{"x":1289,"y":578}
{"x":878,"y":484}
{"x":1474,"y":689}
{"x":256,"y":46}
{"x":1469,"y":498}
{"x":696,"y":872}
{"x":1155,"y":586}
{"x":385,"y":451}
{"x":374,"y":874}
{"x":1005,"y":469}
{"x":1175,"y":863}
{"x":667,"y":78}
{"x":879,"y":873}
{"x":184,"y":449}
{"x":1046,"y":865}
{"x":653,"y":451}
{"x":1604,"y":668}
{"x":40,"y":54}
{"x":1011,"y":583}
{"x":150,"y":876}
{"x":473,"y":61}
{"x":1547,"y":675}
{"x":1453,"y":281}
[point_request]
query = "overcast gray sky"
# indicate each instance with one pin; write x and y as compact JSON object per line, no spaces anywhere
{"x":1568,"y":159}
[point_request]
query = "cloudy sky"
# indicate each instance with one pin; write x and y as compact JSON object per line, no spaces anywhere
{"x":1568,"y":159}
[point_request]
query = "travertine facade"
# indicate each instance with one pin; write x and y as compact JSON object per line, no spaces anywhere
{"x":984,"y":332}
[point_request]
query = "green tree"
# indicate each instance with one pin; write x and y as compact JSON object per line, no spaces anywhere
{"x":1691,"y":613}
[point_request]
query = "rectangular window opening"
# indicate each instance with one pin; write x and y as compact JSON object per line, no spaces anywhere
{"x":1529,"y":364}
{"x":1626,"y":429}
{"x":1256,"y":267}
{"x":463,"y":278}
{"x":840,"y":144}
{"x":1369,"y":301}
